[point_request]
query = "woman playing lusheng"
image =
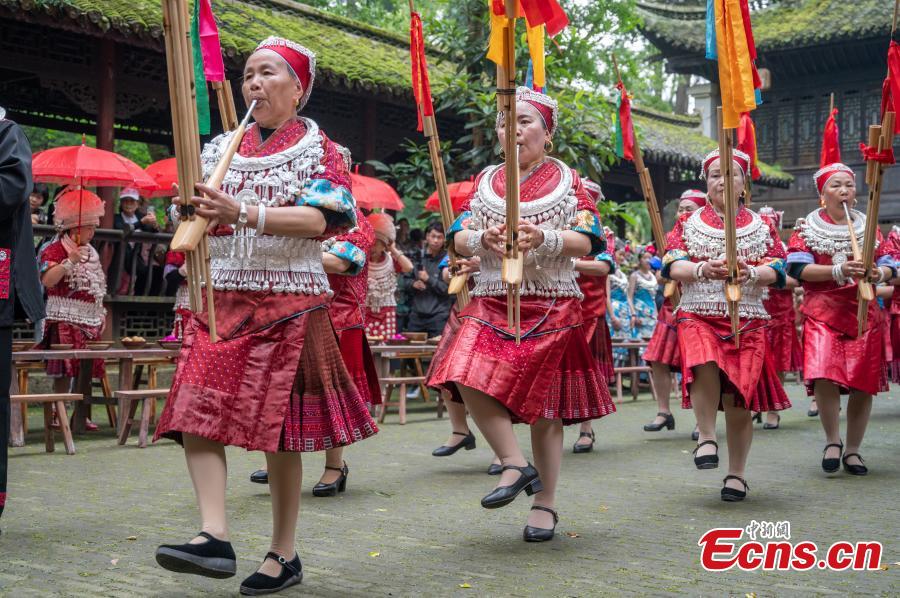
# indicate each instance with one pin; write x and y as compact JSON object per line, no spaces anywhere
{"x":275,"y":380}
{"x":550,"y":379}
{"x":715,"y":373}
{"x":835,"y":360}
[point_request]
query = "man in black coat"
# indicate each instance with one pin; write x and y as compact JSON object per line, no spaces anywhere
{"x":20,"y":288}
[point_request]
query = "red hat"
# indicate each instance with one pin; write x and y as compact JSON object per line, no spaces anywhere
{"x":823,"y":174}
{"x":694,"y":195}
{"x":546,"y":106}
{"x":301,"y":60}
{"x":383,"y":225}
{"x":593,"y":190}
{"x":739,"y":158}
{"x":77,"y":207}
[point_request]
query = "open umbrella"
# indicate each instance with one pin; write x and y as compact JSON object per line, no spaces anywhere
{"x":371,"y":193}
{"x":459,"y":193}
{"x":165,"y":173}
{"x":89,"y":166}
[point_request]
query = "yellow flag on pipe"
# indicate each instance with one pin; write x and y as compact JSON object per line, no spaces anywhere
{"x":534,"y":35}
{"x":736,"y":83}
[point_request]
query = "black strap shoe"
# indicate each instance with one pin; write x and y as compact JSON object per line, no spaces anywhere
{"x":775,"y":426}
{"x":501,"y":496}
{"x":495,"y":469}
{"x":540,"y":534}
{"x":707,"y":461}
{"x":260,"y":476}
{"x":832,"y":465}
{"x":732,"y":494}
{"x":668,"y":423}
{"x":757,"y":417}
{"x":584,"y":448}
{"x":695,"y":435}
{"x":854,"y":469}
{"x":332,"y":489}
{"x":213,"y":558}
{"x":260,"y":583}
{"x":468,"y":443}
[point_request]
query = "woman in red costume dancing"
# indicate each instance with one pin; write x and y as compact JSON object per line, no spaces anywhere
{"x":551,"y":379}
{"x":715,"y":373}
{"x":275,"y":380}
{"x":662,"y":352}
{"x":835,"y":360}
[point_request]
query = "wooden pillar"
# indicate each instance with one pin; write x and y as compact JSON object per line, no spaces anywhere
{"x":106,"y":115}
{"x":370,"y":124}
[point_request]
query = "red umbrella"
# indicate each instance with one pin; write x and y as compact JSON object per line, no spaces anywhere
{"x":165,"y":173}
{"x":371,"y":193}
{"x":83,"y":165}
{"x":459,"y":193}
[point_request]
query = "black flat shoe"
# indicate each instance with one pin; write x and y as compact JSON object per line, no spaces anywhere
{"x":540,"y":534}
{"x":732,"y":495}
{"x":584,"y":448}
{"x":332,"y":489}
{"x":501,"y":496}
{"x":495,"y":469}
{"x":854,"y":469}
{"x":832,"y":465}
{"x":758,"y":417}
{"x":668,"y":423}
{"x":467,"y":443}
{"x":695,"y":435}
{"x":707,"y":461}
{"x":775,"y":426}
{"x":260,"y":476}
{"x":213,"y":558}
{"x":260,"y":583}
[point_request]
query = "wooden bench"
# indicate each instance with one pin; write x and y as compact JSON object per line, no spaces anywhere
{"x":398,"y":383}
{"x":48,"y":401}
{"x":129,"y":401}
{"x":635,"y":371}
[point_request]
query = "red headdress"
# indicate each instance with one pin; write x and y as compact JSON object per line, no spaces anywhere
{"x":739,"y":158}
{"x":301,"y":60}
{"x":694,"y":195}
{"x":823,"y":174}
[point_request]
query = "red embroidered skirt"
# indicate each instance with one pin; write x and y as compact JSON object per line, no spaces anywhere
{"x":596,"y":332}
{"x":440,"y":352}
{"x":382,"y":322}
{"x":831,"y":350}
{"x":77,"y":335}
{"x":551,"y":374}
{"x":279,"y":387}
{"x":663,"y":346}
{"x":358,"y":359}
{"x":894,"y":366}
{"x":747,"y":372}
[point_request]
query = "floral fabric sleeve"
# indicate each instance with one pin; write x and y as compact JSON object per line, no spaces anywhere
{"x":676,"y":250}
{"x":587,"y":219}
{"x":330,"y":191}
{"x":353,"y":246}
{"x":775,"y":258}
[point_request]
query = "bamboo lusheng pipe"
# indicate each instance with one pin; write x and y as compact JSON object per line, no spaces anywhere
{"x":225,"y":98}
{"x":513,"y":262}
{"x":883,"y":136}
{"x":729,"y":221}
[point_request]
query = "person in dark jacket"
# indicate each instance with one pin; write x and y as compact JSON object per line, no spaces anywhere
{"x":430,"y":304}
{"x":19,"y":285}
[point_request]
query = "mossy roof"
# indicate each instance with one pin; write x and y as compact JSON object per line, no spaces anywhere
{"x":681,"y":144}
{"x":783,"y":25}
{"x":349,"y":54}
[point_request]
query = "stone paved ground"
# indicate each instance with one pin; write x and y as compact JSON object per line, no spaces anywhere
{"x":411,"y":524}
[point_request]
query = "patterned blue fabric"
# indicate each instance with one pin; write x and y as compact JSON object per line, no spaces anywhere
{"x":645,"y":310}
{"x":618,"y":300}
{"x":588,"y":223}
{"x":605,"y":257}
{"x":351,"y":254}
{"x":323,"y":194}
{"x":445,"y":263}
{"x":461,"y":223}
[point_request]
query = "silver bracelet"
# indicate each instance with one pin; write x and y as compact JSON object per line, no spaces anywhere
{"x":260,"y":220}
{"x":475,"y":243}
{"x":67,"y":264}
{"x":753,"y":276}
{"x":838,"y":275}
{"x":552,"y":245}
{"x":698,"y":272}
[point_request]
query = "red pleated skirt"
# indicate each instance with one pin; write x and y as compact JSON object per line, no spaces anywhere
{"x":784,"y":345}
{"x":894,"y":366}
{"x":440,"y":352}
{"x":552,"y":374}
{"x":597,"y":335}
{"x":77,"y":335}
{"x":831,"y":350}
{"x":663,"y":346}
{"x":281,"y":387}
{"x":746,"y":372}
{"x":358,"y":359}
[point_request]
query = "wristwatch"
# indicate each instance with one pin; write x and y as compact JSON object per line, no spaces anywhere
{"x":242,"y":216}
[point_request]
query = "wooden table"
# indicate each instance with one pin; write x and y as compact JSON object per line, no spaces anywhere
{"x":383,"y":354}
{"x":83,"y":385}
